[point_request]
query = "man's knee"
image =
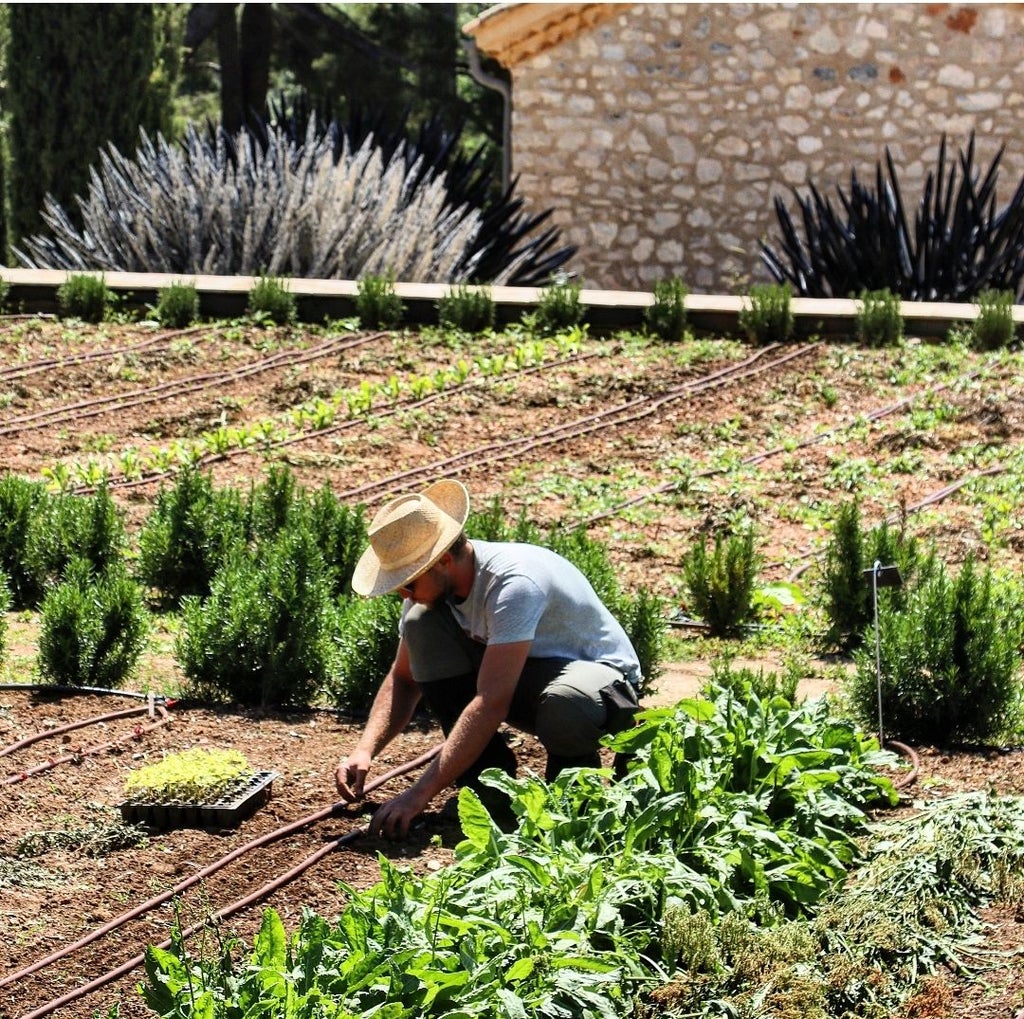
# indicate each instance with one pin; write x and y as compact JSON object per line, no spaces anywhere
{"x":586,"y":702}
{"x":437,"y":645}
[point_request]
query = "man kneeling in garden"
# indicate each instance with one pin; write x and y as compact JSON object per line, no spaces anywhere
{"x":490,"y":632}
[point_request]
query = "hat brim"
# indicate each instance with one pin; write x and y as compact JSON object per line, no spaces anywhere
{"x":371,"y":579}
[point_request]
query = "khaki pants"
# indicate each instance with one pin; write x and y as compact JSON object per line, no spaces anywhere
{"x":569,"y":705}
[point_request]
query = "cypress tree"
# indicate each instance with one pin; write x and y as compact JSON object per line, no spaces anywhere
{"x":78,"y":79}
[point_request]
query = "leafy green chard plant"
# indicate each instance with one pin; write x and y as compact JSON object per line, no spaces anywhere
{"x":177,"y":305}
{"x":377,"y":304}
{"x":721,"y":582}
{"x":197,"y":775}
{"x":767,"y":317}
{"x":731,"y":806}
{"x":879,"y":319}
{"x":84,"y":296}
{"x":270,"y":300}
{"x":93,"y":628}
{"x":993,"y":327}
{"x":666,"y":317}
{"x":470,"y":309}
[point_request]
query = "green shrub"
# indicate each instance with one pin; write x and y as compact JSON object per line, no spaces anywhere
{"x":5,"y":290}
{"x":67,"y":527}
{"x":558,"y":307}
{"x":270,"y":300}
{"x":84,"y":296}
{"x":847,"y":595}
{"x":188,"y":535}
{"x":5,"y":607}
{"x":879,"y":319}
{"x":666,"y":317}
{"x":949,"y":662}
{"x":177,"y":305}
{"x":366,"y":640}
{"x":469,"y":309}
{"x":768,"y":315}
{"x":19,"y":499}
{"x":93,"y":628}
{"x":263,"y":636}
{"x":340,"y":534}
{"x":993,"y":328}
{"x":643,"y":617}
{"x":377,"y":304}
{"x":721,"y":583}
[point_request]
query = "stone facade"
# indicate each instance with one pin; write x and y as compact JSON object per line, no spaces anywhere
{"x":661,"y":135}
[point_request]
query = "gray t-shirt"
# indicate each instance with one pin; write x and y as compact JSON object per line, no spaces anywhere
{"x":526,"y":592}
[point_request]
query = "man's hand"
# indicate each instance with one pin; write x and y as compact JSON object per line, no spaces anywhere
{"x":392,"y":820}
{"x":350,"y":775}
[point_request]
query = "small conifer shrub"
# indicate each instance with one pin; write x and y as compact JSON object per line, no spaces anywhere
{"x":879,"y":319}
{"x":177,"y":305}
{"x":377,"y":304}
{"x":666,"y":317}
{"x":469,"y":309}
{"x":270,"y":300}
{"x":721,"y":581}
{"x":264,"y":635}
{"x":993,"y":327}
{"x":559,"y":307}
{"x":847,"y":594}
{"x":93,"y":628}
{"x":84,"y":296}
{"x":949,"y":661}
{"x":768,"y":315}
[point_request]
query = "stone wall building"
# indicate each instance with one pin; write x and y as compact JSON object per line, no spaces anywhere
{"x":660,"y":133}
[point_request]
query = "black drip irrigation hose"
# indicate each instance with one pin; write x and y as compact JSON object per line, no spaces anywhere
{"x":271,"y":886}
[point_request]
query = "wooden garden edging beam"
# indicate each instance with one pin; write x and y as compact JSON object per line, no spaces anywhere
{"x":35,"y":291}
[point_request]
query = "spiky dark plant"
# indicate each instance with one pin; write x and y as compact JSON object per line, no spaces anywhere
{"x":958,"y":245}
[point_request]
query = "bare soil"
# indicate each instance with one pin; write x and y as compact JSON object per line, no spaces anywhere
{"x":59,"y":880}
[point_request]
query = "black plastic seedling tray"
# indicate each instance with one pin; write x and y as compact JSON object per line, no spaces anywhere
{"x":231,"y":809}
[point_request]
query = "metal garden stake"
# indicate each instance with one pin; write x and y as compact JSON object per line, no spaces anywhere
{"x":881,"y":576}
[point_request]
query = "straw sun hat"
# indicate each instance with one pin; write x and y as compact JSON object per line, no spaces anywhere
{"x":409,"y":535}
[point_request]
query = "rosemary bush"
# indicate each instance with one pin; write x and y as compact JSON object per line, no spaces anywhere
{"x":93,"y":628}
{"x":188,"y":535}
{"x":879,"y":319}
{"x":19,"y":498}
{"x":365,"y":640}
{"x":377,"y":304}
{"x":666,"y":317}
{"x":993,"y":328}
{"x":558,"y":308}
{"x":65,"y":528}
{"x":470,"y":309}
{"x":177,"y":305}
{"x":270,"y":300}
{"x":721,"y":582}
{"x":264,"y":635}
{"x":768,"y":315}
{"x":84,"y":296}
{"x":846,"y":592}
{"x":949,"y":661}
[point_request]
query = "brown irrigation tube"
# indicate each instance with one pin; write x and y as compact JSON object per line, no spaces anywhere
{"x":609,"y":417}
{"x":70,"y":727}
{"x":915,"y":763}
{"x":99,"y":748}
{"x":201,"y":875}
{"x":403,"y":406}
{"x":181,"y":387}
{"x":19,"y":371}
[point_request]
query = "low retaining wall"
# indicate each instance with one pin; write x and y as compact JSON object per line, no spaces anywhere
{"x":34,"y":291}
